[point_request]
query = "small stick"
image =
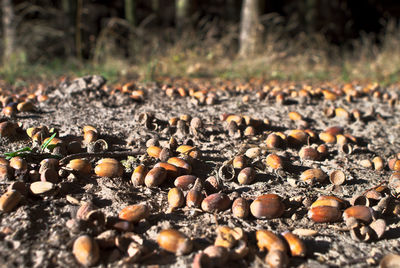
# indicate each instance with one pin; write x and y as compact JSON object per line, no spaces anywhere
{"x":115,"y":154}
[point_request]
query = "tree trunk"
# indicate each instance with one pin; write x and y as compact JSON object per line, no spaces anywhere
{"x":182,"y":13}
{"x":130,"y":12}
{"x":250,"y":28}
{"x":8,"y":29}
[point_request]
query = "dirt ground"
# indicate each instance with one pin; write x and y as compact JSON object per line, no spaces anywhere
{"x":35,"y":233}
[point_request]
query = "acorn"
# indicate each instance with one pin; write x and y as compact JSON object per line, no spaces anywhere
{"x":297,"y":138}
{"x":86,"y":250}
{"x":9,"y":200}
{"x":267,"y":206}
{"x":194,"y":198}
{"x":277,"y":259}
{"x":378,"y":163}
{"x":275,"y":161}
{"x":216,"y":202}
{"x":155,"y":177}
{"x":218,"y":255}
{"x":89,"y":128}
{"x":239,"y":162}
{"x":49,"y":163}
{"x":337,"y":177}
{"x":134,"y":213}
{"x":246,"y":175}
{"x":9,"y":111}
{"x":174,"y":241}
{"x":394,"y":164}
{"x":185,"y":182}
{"x":362,"y":213}
{"x":269,"y":241}
{"x":183,"y":165}
{"x":313,"y":175}
{"x":309,"y":153}
{"x":18,"y":163}
{"x":295,"y":116}
{"x":176,"y":198}
{"x":325,"y":202}
{"x":249,"y":131}
{"x":342,"y":203}
{"x":90,"y":136}
{"x":42,"y":187}
{"x":25,"y":106}
{"x":50,"y":175}
{"x":189,"y":150}
{"x":172,"y":171}
{"x":109,"y":167}
{"x":323,"y":214}
{"x":240,"y":208}
{"x":341,"y":139}
{"x":6,"y":172}
{"x":342,"y":113}
{"x":253,"y":152}
{"x":81,"y":166}
{"x":138,"y":175}
{"x":154,"y":151}
{"x":212,"y":184}
{"x":7,"y":129}
{"x":327,"y":137}
{"x":296,"y":245}
{"x":274,"y":141}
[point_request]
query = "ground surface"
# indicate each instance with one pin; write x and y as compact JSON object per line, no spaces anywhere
{"x":35,"y":233}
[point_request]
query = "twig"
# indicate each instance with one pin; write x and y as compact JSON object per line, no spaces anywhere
{"x":115,"y":154}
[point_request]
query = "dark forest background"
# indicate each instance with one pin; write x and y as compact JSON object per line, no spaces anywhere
{"x":137,"y":39}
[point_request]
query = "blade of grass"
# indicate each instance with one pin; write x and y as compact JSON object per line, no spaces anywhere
{"x":18,"y":152}
{"x":44,"y":145}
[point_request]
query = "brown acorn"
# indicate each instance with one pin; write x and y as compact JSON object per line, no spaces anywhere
{"x":109,"y":167}
{"x":180,"y":163}
{"x":154,"y":151}
{"x":155,"y":177}
{"x":172,"y":171}
{"x":218,"y":255}
{"x":295,"y":116}
{"x":362,"y":213}
{"x":297,"y":138}
{"x":342,"y":203}
{"x":194,"y":198}
{"x":90,"y":136}
{"x":327,"y":137}
{"x":185,"y":182}
{"x":174,"y":241}
{"x":322,"y":214}
{"x":378,"y":163}
{"x":239,"y":162}
{"x":267,"y":206}
{"x":189,"y":150}
{"x":176,"y":198}
{"x":216,"y":202}
{"x":274,"y":161}
{"x":18,"y":163}
{"x":274,"y":141}
{"x":394,"y":164}
{"x":240,"y":208}
{"x":277,"y":259}
{"x":7,"y":129}
{"x":296,"y":245}
{"x":81,"y":166}
{"x":9,"y":200}
{"x":86,"y":250}
{"x":50,"y":175}
{"x":134,"y":213}
{"x":325,"y":202}
{"x":246,"y":175}
{"x":269,"y":241}
{"x":6,"y":172}
{"x":313,"y":175}
{"x":138,"y":175}
{"x":309,"y":153}
{"x":337,"y":177}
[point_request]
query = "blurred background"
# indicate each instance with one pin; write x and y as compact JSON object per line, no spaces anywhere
{"x":314,"y":40}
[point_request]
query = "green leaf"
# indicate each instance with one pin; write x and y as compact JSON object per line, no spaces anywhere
{"x":44,"y":145}
{"x":18,"y":152}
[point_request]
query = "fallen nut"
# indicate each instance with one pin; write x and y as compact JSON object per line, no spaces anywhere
{"x":86,"y":250}
{"x":174,"y":241}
